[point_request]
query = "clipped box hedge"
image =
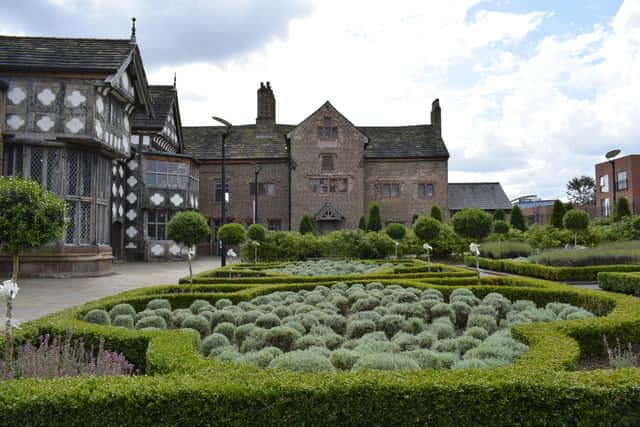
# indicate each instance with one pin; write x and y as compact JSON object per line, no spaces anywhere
{"x":561,"y":274}
{"x":180,"y":387}
{"x":625,"y":283}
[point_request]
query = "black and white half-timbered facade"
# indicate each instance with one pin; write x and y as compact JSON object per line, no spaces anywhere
{"x":78,"y":116}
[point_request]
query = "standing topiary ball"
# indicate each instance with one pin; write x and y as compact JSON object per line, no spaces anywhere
{"x":427,"y":228}
{"x":97,"y":316}
{"x":151,"y":322}
{"x":123,"y":321}
{"x":157,"y":303}
{"x":472,"y":223}
{"x":121,"y":310}
{"x":232,"y":234}
{"x":396,"y":231}
{"x":256,"y":232}
{"x":198,"y":323}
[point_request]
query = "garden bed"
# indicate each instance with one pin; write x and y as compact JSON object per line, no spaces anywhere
{"x":183,"y":387}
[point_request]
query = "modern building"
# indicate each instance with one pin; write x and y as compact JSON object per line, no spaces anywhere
{"x":616,"y":178}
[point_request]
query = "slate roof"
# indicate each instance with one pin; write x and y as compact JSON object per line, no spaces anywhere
{"x":63,"y":54}
{"x":162,"y":98}
{"x":204,"y":142}
{"x":417,"y":141}
{"x":384,"y":142}
{"x":483,"y":195}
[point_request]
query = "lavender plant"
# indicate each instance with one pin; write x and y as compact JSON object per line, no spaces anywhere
{"x":619,"y":357}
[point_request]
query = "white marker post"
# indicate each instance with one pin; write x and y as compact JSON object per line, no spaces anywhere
{"x":475,"y":249}
{"x":427,"y":247}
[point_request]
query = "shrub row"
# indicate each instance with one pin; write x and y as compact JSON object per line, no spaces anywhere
{"x":183,"y":388}
{"x":625,"y":283}
{"x":573,"y":274}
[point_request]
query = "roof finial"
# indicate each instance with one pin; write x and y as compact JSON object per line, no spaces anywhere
{"x":174,"y":80}
{"x":133,"y":30}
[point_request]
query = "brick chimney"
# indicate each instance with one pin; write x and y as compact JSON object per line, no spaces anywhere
{"x":266,"y":120}
{"x":436,"y":120}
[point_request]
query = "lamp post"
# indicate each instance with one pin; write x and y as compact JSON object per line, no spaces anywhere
{"x":255,"y":195}
{"x":223,"y":208}
{"x":610,"y":155}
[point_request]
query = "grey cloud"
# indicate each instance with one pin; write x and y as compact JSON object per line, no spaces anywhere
{"x":169,"y":32}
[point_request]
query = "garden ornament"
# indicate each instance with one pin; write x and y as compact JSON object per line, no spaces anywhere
{"x":475,"y":249}
{"x":427,"y":247}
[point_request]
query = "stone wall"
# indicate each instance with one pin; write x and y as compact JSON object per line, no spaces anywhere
{"x":408,"y":173}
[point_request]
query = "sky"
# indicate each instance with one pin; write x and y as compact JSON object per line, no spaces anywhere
{"x":533,"y":93}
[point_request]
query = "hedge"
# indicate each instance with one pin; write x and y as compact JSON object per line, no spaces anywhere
{"x":572,"y":274}
{"x":625,"y":283}
{"x":179,"y":387}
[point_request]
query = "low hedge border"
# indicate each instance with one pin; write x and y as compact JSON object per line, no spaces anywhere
{"x":625,"y":283}
{"x":561,"y":274}
{"x":183,"y":388}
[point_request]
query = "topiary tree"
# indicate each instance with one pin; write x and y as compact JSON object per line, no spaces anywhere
{"x":435,"y":213}
{"x":256,"y":232}
{"x":621,"y":209}
{"x":576,"y":220}
{"x":501,"y":228}
{"x":396,"y":231}
{"x":30,"y":216}
{"x":557,"y":214}
{"x":188,"y":228}
{"x":374,"y":222}
{"x":498,"y":215}
{"x":472,"y":223}
{"x":232,"y":233}
{"x":517,"y":219}
{"x":427,"y":228}
{"x":306,"y":225}
{"x":362,"y":224}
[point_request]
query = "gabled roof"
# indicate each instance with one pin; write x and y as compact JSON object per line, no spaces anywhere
{"x":102,"y":57}
{"x":418,"y":141}
{"x":63,"y":54}
{"x":204,"y":142}
{"x":162,"y":98}
{"x":326,"y":105}
{"x":483,"y":195}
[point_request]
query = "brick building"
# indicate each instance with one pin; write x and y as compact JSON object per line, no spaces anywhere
{"x":615,"y":178}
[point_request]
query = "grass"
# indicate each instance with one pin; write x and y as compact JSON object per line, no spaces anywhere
{"x":609,"y":254}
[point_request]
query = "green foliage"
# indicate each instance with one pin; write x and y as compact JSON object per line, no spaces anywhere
{"x":621,"y":209}
{"x":576,"y":220}
{"x":151,"y":322}
{"x":157,"y":303}
{"x":232,"y":233}
{"x":436,"y":213}
{"x":609,"y":254}
{"x":123,"y":321}
{"x":212,"y":342}
{"x":30,"y":216}
{"x":256,"y":232}
{"x":626,"y":283}
{"x":582,"y":190}
{"x":282,"y":337}
{"x":122,"y":309}
{"x":303,"y":361}
{"x":362,"y":223}
{"x":97,"y":316}
{"x":427,"y":228}
{"x":197,"y":323}
{"x":472,"y":223}
{"x":396,"y":231}
{"x":501,"y":250}
{"x":375,"y":246}
{"x":227,"y":329}
{"x":307,"y":225}
{"x":499,"y":215}
{"x":188,"y":228}
{"x":386,"y":362}
{"x":500,"y":227}
{"x":374,"y":220}
{"x":557,"y":214}
{"x":517,"y":219}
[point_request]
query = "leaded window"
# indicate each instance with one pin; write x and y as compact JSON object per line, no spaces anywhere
{"x":157,"y":225}
{"x":387,"y":189}
{"x":425,"y":190}
{"x":328,"y":185}
{"x":165,"y":174}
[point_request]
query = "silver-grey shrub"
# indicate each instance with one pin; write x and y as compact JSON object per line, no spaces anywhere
{"x":227,"y":329}
{"x":302,"y":361}
{"x":197,"y":323}
{"x":97,"y":316}
{"x":344,"y":359}
{"x":123,"y":321}
{"x":151,"y":322}
{"x":158,"y":303}
{"x":386,"y":362}
{"x":122,"y":309}
{"x":358,"y":328}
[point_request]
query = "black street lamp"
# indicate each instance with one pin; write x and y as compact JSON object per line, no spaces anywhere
{"x":223,"y":179}
{"x":611,"y":157}
{"x":255,"y":195}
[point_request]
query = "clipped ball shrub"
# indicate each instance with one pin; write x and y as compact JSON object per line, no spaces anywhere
{"x":386,"y":362}
{"x":158,"y":303}
{"x":197,"y":323}
{"x":484,"y":321}
{"x":122,"y":309}
{"x":212,"y":342}
{"x":358,"y":328}
{"x":123,"y":321}
{"x":151,"y":322}
{"x":303,"y":361}
{"x":281,"y":337}
{"x":227,"y":329}
{"x":268,"y":321}
{"x":97,"y":316}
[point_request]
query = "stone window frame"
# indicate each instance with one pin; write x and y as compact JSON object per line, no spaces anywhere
{"x":154,"y":221}
{"x":425,"y":190}
{"x":380,"y":189}
{"x":328,"y":162}
{"x":332,"y":185}
{"x":267,"y":189}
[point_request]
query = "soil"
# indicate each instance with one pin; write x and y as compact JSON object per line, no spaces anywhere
{"x":593,"y":362}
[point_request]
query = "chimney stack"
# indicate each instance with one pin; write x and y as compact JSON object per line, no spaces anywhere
{"x":436,"y":120}
{"x":266,"y":120}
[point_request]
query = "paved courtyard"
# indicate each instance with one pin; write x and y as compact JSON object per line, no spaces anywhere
{"x":38,"y":297}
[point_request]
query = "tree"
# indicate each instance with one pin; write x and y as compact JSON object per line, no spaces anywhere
{"x":472,"y":223}
{"x":557,"y":214}
{"x":232,"y":233}
{"x":188,"y":228}
{"x":517,"y":219}
{"x":30,"y":216}
{"x":576,"y":220}
{"x":374,"y":222}
{"x":256,"y":232}
{"x":582,"y":190}
{"x":396,"y":231}
{"x":414,"y":218}
{"x":362,"y":224}
{"x":427,"y":228}
{"x":435,"y":213}
{"x":306,"y":225}
{"x":621,"y":209}
{"x":500,"y":227}
{"x":498,"y":215}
